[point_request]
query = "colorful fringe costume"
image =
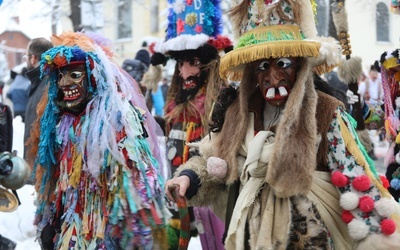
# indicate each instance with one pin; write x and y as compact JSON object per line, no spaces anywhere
{"x":98,"y":172}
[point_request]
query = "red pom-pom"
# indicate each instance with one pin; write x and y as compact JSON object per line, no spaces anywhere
{"x":339,"y":179}
{"x":384,"y":181}
{"x":361,"y":183}
{"x":388,"y":226}
{"x":220,"y":42}
{"x":151,"y":47}
{"x":366,"y":204}
{"x":347,"y":217}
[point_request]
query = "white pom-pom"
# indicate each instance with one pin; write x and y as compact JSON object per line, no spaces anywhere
{"x":349,"y":201}
{"x":358,"y":230}
{"x":217,"y":167}
{"x":385,"y":207}
{"x":398,"y":158}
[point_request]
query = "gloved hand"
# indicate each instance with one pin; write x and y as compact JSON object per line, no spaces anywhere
{"x":351,"y":97}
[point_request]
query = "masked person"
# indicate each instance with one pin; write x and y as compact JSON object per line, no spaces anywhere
{"x":296,"y":173}
{"x":98,"y":175}
{"x":195,"y":46}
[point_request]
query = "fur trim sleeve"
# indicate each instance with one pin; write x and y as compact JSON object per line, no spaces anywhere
{"x":210,"y":188}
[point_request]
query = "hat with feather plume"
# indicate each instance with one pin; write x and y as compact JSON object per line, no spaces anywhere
{"x":277,"y":28}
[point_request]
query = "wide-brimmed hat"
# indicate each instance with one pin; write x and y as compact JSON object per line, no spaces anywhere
{"x":273,"y":29}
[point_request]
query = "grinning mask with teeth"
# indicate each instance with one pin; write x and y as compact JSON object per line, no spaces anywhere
{"x":276,"y":77}
{"x":72,"y":87}
{"x":192,"y":78}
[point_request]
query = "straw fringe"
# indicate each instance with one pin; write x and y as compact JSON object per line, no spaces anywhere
{"x":229,"y":67}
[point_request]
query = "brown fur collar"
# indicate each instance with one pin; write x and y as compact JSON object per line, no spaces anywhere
{"x":294,"y":159}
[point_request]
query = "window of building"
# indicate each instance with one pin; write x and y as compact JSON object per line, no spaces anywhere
{"x":124,"y":19}
{"x":382,"y":22}
{"x":322,"y":18}
{"x":18,"y":58}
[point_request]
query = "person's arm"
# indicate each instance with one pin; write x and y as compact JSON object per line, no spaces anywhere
{"x":368,"y":208}
{"x":200,"y":187}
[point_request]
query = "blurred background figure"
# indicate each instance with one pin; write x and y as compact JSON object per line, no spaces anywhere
{"x":164,"y":87}
{"x":1,"y":90}
{"x":371,"y":88}
{"x":18,"y":93}
{"x":138,"y":66}
{"x":34,"y":51}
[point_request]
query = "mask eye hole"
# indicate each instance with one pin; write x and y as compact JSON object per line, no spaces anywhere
{"x":264,"y":65}
{"x":196,"y":62}
{"x":180,"y":63}
{"x":76,"y":74}
{"x":284,"y":63}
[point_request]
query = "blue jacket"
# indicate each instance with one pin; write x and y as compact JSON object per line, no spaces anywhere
{"x":158,"y":102}
{"x":19,"y":92}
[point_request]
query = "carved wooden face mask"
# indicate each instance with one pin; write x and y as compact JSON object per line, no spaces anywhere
{"x":276,"y":78}
{"x":72,"y":84}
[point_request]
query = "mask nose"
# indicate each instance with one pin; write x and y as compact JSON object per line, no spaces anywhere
{"x":274,"y":78}
{"x":186,"y":70}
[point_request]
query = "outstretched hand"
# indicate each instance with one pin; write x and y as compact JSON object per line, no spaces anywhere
{"x":182,"y":182}
{"x":351,"y":97}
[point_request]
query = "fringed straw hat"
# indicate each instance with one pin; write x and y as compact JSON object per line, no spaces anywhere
{"x":273,"y":29}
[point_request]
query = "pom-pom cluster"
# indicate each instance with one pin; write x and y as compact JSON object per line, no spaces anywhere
{"x":359,"y":199}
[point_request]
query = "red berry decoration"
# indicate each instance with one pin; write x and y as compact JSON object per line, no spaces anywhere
{"x":361,"y":183}
{"x":347,"y":217}
{"x":384,"y":181}
{"x":339,"y":179}
{"x":388,"y":226}
{"x":366,"y":204}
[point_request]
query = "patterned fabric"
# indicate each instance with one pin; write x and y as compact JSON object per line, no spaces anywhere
{"x":307,"y":230}
{"x":184,"y":128}
{"x":341,"y":160}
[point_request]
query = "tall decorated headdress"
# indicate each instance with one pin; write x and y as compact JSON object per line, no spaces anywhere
{"x":194,"y":27}
{"x":273,"y":29}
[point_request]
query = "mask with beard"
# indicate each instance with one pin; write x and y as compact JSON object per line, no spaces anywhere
{"x":189,"y":88}
{"x":191,"y":79}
